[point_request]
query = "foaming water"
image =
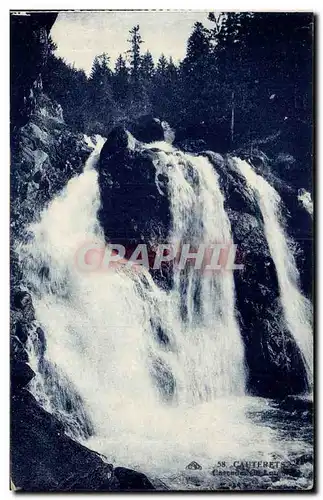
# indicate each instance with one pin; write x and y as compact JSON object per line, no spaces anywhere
{"x":297,"y":308}
{"x":152,"y":406}
{"x":165,"y":439}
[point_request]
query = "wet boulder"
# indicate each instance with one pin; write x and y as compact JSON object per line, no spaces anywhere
{"x":130,"y":480}
{"x":21,"y":331}
{"x":117,"y":141}
{"x":17,"y":350}
{"x":21,"y":374}
{"x":22,"y":302}
{"x":236,"y":193}
{"x":147,"y":129}
{"x":22,"y":299}
{"x":133,"y":208}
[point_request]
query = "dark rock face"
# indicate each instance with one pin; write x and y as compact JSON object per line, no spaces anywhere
{"x":22,"y":299}
{"x":116,"y":142}
{"x":129,"y":193}
{"x":22,"y":302}
{"x":28,"y":51}
{"x":21,"y":374}
{"x":46,"y":155}
{"x":129,"y":480}
{"x":18,"y":352}
{"x":45,"y":459}
{"x":21,"y":330}
{"x":300,"y":228}
{"x":237,"y":197}
{"x":22,"y":315}
{"x":147,"y":129}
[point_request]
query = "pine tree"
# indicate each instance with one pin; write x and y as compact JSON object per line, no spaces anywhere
{"x":102,"y":106}
{"x":120,"y":66}
{"x":121,"y":81}
{"x":198,"y":79}
{"x":165,"y":89}
{"x":100,"y":71}
{"x":172,"y":75}
{"x":135,"y":41}
{"x":51,"y":45}
{"x":161,"y":67}
{"x":67,"y":86}
{"x":198,"y":45}
{"x":147,"y":67}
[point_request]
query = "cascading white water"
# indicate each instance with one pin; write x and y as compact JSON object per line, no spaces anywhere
{"x":211,"y":351}
{"x":100,"y":334}
{"x":297,"y":308}
{"x":95,"y":323}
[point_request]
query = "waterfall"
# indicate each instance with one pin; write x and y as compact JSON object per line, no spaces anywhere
{"x":209,"y":332}
{"x":97,"y":324}
{"x":297,"y":308}
{"x":149,"y":404}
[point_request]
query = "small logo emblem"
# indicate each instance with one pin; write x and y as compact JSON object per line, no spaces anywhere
{"x":194,"y":466}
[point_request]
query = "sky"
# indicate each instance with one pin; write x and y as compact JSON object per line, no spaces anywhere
{"x":80,"y":36}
